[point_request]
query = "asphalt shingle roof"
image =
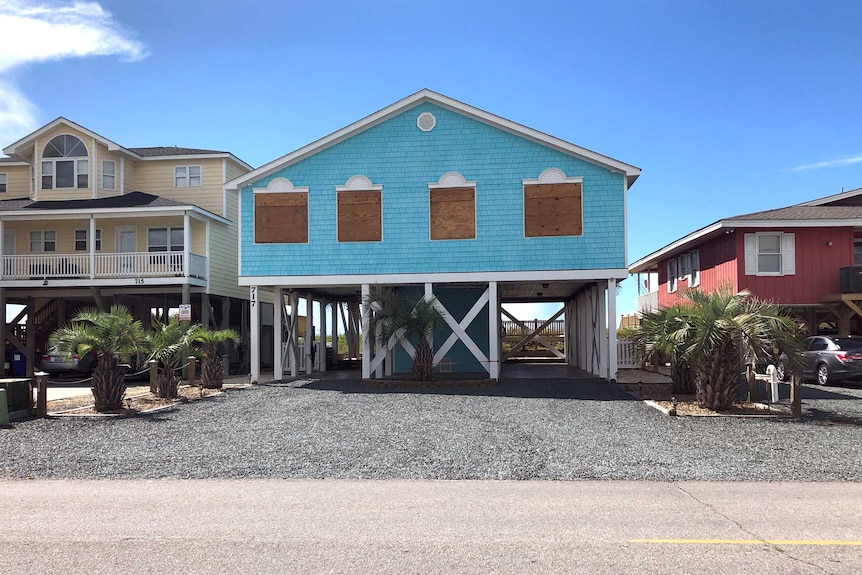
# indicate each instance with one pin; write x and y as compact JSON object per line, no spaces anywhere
{"x":805,"y":213}
{"x":172,"y":151}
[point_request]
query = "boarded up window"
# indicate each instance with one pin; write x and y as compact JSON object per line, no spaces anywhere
{"x":360,"y":216}
{"x":552,"y":210}
{"x":281,"y":218}
{"x":453,"y":214}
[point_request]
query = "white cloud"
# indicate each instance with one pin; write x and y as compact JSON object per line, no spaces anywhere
{"x":33,"y":32}
{"x":839,"y":163}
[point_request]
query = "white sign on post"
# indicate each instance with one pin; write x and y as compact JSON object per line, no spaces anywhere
{"x":185,"y":312}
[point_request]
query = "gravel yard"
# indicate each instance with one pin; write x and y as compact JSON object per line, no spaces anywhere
{"x":524,"y":429}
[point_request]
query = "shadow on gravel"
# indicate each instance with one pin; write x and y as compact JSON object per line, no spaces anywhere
{"x":584,"y":389}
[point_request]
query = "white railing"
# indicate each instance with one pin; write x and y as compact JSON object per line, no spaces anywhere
{"x":627,"y":354}
{"x":46,"y":266}
{"x":648,"y":302}
{"x":124,"y":265}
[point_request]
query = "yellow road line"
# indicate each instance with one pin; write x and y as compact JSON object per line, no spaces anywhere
{"x":822,"y":542}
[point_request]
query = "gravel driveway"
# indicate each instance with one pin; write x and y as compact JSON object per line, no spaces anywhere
{"x":525,"y":429}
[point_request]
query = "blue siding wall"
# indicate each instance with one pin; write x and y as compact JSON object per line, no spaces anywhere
{"x":403,"y":159}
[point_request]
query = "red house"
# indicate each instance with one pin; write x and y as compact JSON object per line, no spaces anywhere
{"x":807,"y":257}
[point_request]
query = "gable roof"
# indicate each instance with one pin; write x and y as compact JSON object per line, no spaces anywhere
{"x":420,"y":97}
{"x":16,"y":150}
{"x":813,"y":214}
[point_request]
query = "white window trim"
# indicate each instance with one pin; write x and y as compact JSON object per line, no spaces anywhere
{"x":454,"y":180}
{"x":672,"y":271}
{"x":42,"y":241}
{"x":4,"y":181}
{"x":167,"y":238}
{"x":187,"y":177}
{"x":694,"y":270}
{"x":53,"y":162}
{"x":358,"y":183}
{"x":86,"y":240}
{"x":114,"y":175}
{"x":787,"y":253}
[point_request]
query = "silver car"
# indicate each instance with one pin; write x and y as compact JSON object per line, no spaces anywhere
{"x":56,"y":363}
{"x":829,"y":359}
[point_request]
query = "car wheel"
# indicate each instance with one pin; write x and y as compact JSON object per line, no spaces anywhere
{"x":781,"y":370}
{"x":822,"y":374}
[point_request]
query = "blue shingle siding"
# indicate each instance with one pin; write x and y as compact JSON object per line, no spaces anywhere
{"x":403,"y":159}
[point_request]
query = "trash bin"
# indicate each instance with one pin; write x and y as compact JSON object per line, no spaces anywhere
{"x":19,"y":364}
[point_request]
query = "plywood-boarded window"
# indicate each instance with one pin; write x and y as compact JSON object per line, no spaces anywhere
{"x":360,"y":216}
{"x":281,"y":218}
{"x":453,"y":213}
{"x":553,"y":210}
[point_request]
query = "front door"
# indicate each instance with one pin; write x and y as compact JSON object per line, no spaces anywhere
{"x":127,"y":243}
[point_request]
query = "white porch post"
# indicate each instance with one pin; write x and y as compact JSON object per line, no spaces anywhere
{"x":334,"y":307}
{"x":187,"y":242}
{"x":612,"y":330}
{"x":366,"y":336}
{"x":309,"y":333}
{"x":493,"y":332}
{"x":601,"y":293}
{"x":278,"y":334}
{"x":92,"y":246}
{"x":254,"y":305}
{"x":321,"y":351}
{"x":3,"y":249}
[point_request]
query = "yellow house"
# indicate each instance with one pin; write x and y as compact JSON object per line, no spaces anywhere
{"x":85,"y":221}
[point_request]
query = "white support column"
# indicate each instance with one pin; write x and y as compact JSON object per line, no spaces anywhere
{"x":187,"y":244}
{"x":493,"y":332}
{"x":334,"y":307}
{"x":294,"y":335}
{"x":3,"y":248}
{"x":278,"y":333}
{"x":366,"y":336}
{"x":92,"y":245}
{"x":254,"y":305}
{"x":600,"y":333}
{"x":612,"y":330}
{"x":309,"y":333}
{"x":321,"y":351}
{"x":429,"y":293}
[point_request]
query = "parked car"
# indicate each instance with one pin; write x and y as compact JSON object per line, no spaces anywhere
{"x":56,"y":363}
{"x":832,"y":358}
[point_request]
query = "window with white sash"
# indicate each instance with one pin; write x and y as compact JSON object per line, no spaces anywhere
{"x":671,"y":275}
{"x":770,"y":254}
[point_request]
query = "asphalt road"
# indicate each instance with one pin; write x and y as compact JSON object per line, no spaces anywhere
{"x":402,"y":526}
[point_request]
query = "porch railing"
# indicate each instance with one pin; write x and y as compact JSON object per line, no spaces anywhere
{"x":121,"y":265}
{"x":647,"y":302}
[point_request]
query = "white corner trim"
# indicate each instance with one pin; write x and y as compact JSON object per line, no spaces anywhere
{"x":360,"y":183}
{"x":553,"y":176}
{"x":281,"y":186}
{"x":451,"y":180}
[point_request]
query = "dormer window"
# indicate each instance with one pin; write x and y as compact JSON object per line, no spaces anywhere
{"x":65,"y":164}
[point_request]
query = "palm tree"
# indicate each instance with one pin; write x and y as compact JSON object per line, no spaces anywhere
{"x":114,"y":336}
{"x":715,"y":332}
{"x":170,"y":343}
{"x":397,"y":314}
{"x":661,"y":334}
{"x":211,"y":369}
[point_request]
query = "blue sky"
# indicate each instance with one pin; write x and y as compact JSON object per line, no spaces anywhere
{"x":728,"y":107}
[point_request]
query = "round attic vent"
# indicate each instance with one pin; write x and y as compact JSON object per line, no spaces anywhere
{"x":426,"y":121}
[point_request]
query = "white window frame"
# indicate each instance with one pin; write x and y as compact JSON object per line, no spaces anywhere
{"x":112,"y":175}
{"x":43,"y":239}
{"x":86,"y":240}
{"x":672,"y":270}
{"x":168,"y":246}
{"x":787,"y":254}
{"x":4,"y":182}
{"x":694,"y":270}
{"x":857,"y":242}
{"x":183,"y":177}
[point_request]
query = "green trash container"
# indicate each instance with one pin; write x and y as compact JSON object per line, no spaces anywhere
{"x":4,"y":408}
